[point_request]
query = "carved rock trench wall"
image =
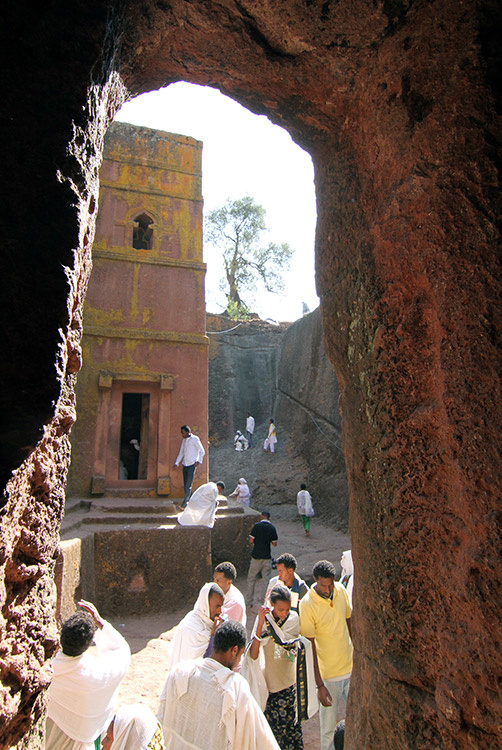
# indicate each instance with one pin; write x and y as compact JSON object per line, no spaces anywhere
{"x":242,"y":373}
{"x":283,"y":372}
{"x":307,"y":404}
{"x":396,"y":102}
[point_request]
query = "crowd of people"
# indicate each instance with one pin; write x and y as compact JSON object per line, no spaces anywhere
{"x":223,"y":690}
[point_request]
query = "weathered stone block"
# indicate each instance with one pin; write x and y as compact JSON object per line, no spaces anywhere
{"x":98,"y":484}
{"x":230,"y":541}
{"x":163,"y":486}
{"x":150,"y":570}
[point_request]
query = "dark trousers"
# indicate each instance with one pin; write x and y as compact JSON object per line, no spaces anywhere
{"x":188,"y":474}
{"x":250,"y":438}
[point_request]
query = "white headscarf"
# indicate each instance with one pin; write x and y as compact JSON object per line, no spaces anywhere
{"x":192,"y":635}
{"x":133,"y":728}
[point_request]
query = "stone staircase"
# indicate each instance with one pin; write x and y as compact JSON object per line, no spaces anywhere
{"x":84,"y":516}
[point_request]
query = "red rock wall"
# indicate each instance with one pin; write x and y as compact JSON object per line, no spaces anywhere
{"x":395,"y":101}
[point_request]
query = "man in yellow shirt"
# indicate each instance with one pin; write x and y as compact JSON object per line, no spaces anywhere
{"x":325,"y":620}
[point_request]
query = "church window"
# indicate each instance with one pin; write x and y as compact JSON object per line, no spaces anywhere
{"x":142,"y":232}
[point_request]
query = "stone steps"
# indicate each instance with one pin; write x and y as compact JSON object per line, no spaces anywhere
{"x":112,"y":513}
{"x":133,"y":506}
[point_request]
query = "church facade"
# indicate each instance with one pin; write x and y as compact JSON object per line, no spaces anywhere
{"x":145,"y":349}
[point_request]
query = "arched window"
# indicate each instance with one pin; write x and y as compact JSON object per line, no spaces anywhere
{"x":142,"y":232}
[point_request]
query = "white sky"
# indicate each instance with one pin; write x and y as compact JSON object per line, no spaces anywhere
{"x":243,"y":153}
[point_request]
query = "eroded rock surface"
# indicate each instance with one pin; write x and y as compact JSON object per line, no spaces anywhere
{"x":242,"y":373}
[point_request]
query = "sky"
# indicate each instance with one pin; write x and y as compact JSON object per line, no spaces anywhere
{"x":244,"y":154}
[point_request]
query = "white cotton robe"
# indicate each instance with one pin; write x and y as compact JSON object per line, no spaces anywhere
{"x":201,"y":508}
{"x":347,"y":573}
{"x":193,"y":634}
{"x":82,"y":696}
{"x":134,"y":727}
{"x":242,"y":492}
{"x":207,"y":706}
{"x":304,"y":503}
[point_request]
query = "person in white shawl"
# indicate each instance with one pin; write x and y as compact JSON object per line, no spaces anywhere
{"x":193,"y":634}
{"x":347,"y":576}
{"x":205,"y":705}
{"x":202,"y":506}
{"x":240,"y":442}
{"x":281,"y":680}
{"x":242,"y":492}
{"x":305,"y":507}
{"x":134,"y":727}
{"x":82,"y":696}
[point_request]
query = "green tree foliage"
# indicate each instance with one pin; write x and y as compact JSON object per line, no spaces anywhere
{"x":236,"y":229}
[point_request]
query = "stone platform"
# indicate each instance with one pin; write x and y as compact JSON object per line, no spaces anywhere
{"x":131,"y":556}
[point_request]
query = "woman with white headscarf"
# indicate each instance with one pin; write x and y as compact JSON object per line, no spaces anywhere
{"x":134,"y":727}
{"x":240,"y":441}
{"x":242,"y":492}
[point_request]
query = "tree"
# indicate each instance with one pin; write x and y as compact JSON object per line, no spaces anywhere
{"x":236,"y":230}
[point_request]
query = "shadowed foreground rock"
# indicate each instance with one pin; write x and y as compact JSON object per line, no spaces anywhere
{"x":396,"y":103}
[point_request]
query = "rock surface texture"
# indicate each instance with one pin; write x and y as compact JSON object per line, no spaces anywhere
{"x":307,"y":408}
{"x":280,"y":372}
{"x":396,"y":102}
{"x":242,"y":373}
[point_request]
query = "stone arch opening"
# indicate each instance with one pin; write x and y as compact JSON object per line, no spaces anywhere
{"x":396,"y":104}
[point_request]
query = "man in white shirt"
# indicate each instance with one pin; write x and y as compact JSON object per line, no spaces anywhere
{"x":249,"y":429}
{"x":207,"y":705}
{"x":190,"y":455}
{"x":234,"y":606}
{"x":82,"y":697}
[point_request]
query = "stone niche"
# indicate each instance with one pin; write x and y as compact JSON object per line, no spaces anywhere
{"x":397,"y":104}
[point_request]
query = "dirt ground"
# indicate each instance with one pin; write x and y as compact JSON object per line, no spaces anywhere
{"x":149,"y":636}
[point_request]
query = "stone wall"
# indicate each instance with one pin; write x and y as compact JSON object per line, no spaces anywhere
{"x":242,"y":373}
{"x":135,"y":568}
{"x":285,"y":373}
{"x":307,"y":408}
